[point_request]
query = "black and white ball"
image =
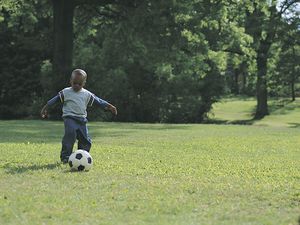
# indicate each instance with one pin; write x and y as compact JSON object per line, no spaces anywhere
{"x":80,"y":160}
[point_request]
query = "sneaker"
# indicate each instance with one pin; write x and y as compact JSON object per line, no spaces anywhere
{"x":64,"y":161}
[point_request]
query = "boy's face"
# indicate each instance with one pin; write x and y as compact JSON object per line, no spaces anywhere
{"x":77,"y":82}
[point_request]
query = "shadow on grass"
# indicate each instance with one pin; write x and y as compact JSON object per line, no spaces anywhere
{"x":283,"y":106}
{"x":294,"y":125}
{"x":69,"y":170}
{"x":158,"y":126}
{"x":23,"y":169}
{"x":231,"y":122}
{"x":41,"y":135}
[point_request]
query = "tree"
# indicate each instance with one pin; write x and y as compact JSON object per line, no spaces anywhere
{"x":63,"y":15}
{"x":24,"y":43}
{"x":262,"y":23}
{"x":63,"y":11}
{"x":158,"y":58}
{"x":289,"y":56}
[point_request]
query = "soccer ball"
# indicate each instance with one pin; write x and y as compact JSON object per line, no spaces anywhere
{"x":80,"y":160}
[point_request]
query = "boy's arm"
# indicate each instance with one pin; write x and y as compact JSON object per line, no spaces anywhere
{"x":44,"y":111}
{"x":112,"y":108}
{"x":104,"y":104}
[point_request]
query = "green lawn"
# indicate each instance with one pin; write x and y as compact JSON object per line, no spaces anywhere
{"x":152,"y":174}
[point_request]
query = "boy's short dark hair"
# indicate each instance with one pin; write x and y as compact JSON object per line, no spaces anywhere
{"x":79,"y":72}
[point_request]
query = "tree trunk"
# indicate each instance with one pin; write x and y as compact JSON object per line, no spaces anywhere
{"x":236,"y":81}
{"x":63,"y":11}
{"x":293,"y":90}
{"x":261,"y":86}
{"x":243,"y":69}
{"x":293,"y":78}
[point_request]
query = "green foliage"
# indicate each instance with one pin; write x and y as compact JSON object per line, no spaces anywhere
{"x":23,"y":46}
{"x":166,"y":61}
{"x":288,"y":57}
{"x":158,"y":65}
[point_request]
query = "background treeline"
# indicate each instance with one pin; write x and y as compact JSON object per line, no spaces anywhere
{"x":157,"y":61}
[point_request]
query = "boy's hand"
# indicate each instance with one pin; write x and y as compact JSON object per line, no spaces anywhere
{"x":44,"y":112}
{"x":113,"y":109}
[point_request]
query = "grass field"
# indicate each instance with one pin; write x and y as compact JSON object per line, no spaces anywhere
{"x":240,"y":110}
{"x":152,"y":174}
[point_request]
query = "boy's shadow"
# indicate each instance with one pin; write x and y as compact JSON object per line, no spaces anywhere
{"x":23,"y":169}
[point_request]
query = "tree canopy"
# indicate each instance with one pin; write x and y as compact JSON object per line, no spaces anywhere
{"x":157,"y":61}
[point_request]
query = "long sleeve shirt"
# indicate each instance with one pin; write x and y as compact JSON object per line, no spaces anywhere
{"x":76,"y":103}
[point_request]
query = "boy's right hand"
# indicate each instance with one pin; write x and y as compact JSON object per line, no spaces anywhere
{"x":113,"y":109}
{"x":44,"y":112}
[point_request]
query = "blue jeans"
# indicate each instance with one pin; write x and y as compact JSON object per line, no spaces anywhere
{"x":74,"y":129}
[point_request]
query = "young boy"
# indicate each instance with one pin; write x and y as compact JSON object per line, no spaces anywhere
{"x":75,"y":100}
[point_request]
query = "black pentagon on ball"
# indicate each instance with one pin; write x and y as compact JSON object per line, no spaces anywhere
{"x":89,"y":160}
{"x":78,"y":156}
{"x":80,"y":168}
{"x":70,"y":164}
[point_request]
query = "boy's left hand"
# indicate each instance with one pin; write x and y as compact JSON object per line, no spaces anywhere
{"x":113,"y":109}
{"x":44,"y":112}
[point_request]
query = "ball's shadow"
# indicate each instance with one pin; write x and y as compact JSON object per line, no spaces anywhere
{"x":74,"y":171}
{"x":23,"y":169}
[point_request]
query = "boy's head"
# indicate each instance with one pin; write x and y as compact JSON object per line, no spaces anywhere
{"x":78,"y":79}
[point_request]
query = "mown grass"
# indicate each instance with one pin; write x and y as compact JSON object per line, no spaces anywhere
{"x":151,"y":174}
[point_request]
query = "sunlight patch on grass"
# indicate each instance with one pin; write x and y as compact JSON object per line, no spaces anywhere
{"x":283,"y":113}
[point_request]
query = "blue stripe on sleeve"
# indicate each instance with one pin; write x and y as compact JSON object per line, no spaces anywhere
{"x":100,"y":102}
{"x":53,"y":100}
